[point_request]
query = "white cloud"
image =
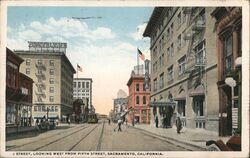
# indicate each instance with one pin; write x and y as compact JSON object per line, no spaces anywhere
{"x":56,"y":38}
{"x":102,"y":32}
{"x":17,"y":44}
{"x":69,"y":28}
{"x":139,"y":31}
{"x":29,"y":35}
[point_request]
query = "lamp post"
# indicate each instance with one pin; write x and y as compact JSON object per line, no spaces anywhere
{"x":232,"y":83}
{"x":47,"y":113}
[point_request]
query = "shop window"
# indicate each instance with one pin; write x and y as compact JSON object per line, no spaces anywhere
{"x":181,"y":108}
{"x":198,"y":105}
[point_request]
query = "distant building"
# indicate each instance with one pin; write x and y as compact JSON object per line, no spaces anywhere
{"x":120,"y":104}
{"x":139,"y":97}
{"x":18,"y":93}
{"x":229,"y":52}
{"x":47,"y":64}
{"x":184,"y":66}
{"x":83,"y":90}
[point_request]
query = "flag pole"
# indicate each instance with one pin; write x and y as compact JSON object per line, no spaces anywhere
{"x":77,"y":80}
{"x":137,"y":62}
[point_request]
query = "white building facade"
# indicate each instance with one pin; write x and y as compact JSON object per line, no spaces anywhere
{"x":83,"y":90}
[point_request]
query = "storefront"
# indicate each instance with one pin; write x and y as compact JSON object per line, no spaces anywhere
{"x":164,"y":110}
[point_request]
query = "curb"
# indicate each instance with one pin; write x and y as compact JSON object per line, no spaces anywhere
{"x":170,"y":138}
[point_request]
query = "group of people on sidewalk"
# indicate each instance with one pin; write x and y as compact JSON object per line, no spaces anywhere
{"x":177,"y":123}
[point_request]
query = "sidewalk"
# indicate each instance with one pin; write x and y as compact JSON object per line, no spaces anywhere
{"x":191,"y":137}
{"x":15,"y":130}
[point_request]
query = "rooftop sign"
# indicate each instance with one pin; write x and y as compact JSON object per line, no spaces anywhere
{"x":47,"y":46}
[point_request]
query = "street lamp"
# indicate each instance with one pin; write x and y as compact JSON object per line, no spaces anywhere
{"x":47,"y":113}
{"x":232,"y":83}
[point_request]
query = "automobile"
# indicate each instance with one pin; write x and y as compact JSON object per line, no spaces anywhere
{"x":233,"y":144}
{"x":47,"y":124}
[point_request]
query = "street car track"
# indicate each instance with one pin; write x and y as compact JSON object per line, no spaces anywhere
{"x":85,"y":136}
{"x":35,"y":141}
{"x":100,"y":138}
{"x":54,"y":141}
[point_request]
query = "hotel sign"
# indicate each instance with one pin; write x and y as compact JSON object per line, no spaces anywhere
{"x":47,"y":46}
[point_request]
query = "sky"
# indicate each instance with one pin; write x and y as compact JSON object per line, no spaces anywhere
{"x":105,"y":47}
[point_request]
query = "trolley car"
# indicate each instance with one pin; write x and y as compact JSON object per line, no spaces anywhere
{"x":92,"y":118}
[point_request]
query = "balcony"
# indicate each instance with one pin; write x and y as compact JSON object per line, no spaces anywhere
{"x":42,"y":94}
{"x":187,"y":36}
{"x":40,"y":75}
{"x":187,"y":10}
{"x":40,"y":84}
{"x":40,"y":66}
{"x":199,"y":25}
{"x":193,"y":66}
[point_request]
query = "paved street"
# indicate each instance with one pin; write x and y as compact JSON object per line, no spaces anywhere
{"x":91,"y":137}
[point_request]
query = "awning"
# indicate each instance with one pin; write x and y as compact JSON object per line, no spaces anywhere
{"x":198,"y":91}
{"x":180,"y":96}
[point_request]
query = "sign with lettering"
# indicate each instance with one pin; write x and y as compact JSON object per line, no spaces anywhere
{"x":146,"y":79}
{"x":47,"y":46}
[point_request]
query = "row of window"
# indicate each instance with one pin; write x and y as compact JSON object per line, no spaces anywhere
{"x":170,"y":74}
{"x":82,"y":91}
{"x":82,"y":84}
{"x":163,"y":21}
{"x":39,"y":98}
{"x":181,"y":19}
{"x":170,"y":53}
{"x":39,"y":61}
{"x":144,"y":100}
{"x":137,"y":87}
{"x":81,"y":94}
{"x":42,"y":108}
{"x":40,"y":72}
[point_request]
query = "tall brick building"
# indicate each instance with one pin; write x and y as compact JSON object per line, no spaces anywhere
{"x":138,"y":99}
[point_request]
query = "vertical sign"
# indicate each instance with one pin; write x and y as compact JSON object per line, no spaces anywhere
{"x":146,"y":79}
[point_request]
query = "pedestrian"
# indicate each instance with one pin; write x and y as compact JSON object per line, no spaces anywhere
{"x":119,"y":125}
{"x":37,"y":123}
{"x":109,"y":121}
{"x":69,"y":121}
{"x":178,"y":125}
{"x":156,"y":121}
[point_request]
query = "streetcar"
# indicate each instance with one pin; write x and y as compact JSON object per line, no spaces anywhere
{"x":92,"y":118}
